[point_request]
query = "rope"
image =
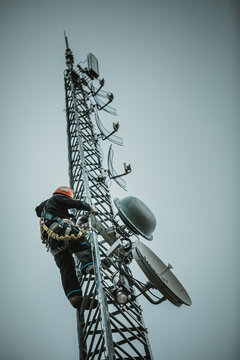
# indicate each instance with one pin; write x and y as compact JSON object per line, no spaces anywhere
{"x":55,"y":236}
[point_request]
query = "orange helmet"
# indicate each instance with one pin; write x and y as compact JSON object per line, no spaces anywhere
{"x":65,"y":190}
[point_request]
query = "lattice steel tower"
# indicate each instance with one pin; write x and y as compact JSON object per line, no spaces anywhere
{"x":115,"y":328}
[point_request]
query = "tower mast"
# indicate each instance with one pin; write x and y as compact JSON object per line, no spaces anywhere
{"x":115,"y":328}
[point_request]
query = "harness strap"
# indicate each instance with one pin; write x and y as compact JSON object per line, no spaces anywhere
{"x":55,"y":236}
{"x":57,"y":250}
{"x":51,"y":217}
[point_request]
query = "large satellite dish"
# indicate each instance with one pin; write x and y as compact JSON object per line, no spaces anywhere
{"x":136,"y":216}
{"x":160,"y":275}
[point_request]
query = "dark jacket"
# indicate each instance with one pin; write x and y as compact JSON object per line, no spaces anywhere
{"x":59,"y":204}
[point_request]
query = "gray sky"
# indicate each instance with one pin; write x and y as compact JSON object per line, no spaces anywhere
{"x":173,"y":67}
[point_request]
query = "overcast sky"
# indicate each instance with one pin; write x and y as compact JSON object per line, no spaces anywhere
{"x":173,"y":67}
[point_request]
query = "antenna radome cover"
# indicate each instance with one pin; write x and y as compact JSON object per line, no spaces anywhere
{"x":136,"y":216}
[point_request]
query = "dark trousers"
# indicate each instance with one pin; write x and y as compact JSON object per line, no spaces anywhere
{"x":66,"y":264}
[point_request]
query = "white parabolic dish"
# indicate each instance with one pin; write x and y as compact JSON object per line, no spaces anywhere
{"x":160,"y":275}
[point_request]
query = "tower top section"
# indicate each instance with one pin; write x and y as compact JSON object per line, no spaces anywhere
{"x":68,"y":54}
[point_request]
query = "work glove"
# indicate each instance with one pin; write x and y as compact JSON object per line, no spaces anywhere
{"x":94,"y":211}
{"x":82,"y":220}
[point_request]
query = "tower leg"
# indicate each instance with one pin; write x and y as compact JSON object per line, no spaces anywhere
{"x":80,"y":326}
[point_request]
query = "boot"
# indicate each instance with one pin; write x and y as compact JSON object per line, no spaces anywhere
{"x":90,"y":269}
{"x":77,"y":300}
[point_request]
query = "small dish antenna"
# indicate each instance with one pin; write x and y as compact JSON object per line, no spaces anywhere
{"x":160,"y":275}
{"x":136,"y":216}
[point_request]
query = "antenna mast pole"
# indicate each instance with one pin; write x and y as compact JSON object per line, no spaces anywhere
{"x":115,"y":328}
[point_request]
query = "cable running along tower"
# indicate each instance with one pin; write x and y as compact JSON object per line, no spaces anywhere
{"x":115,"y":329}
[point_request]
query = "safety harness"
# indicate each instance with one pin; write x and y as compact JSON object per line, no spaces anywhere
{"x":50,"y":232}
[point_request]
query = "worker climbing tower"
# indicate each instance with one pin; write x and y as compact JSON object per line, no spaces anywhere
{"x":115,"y":328}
